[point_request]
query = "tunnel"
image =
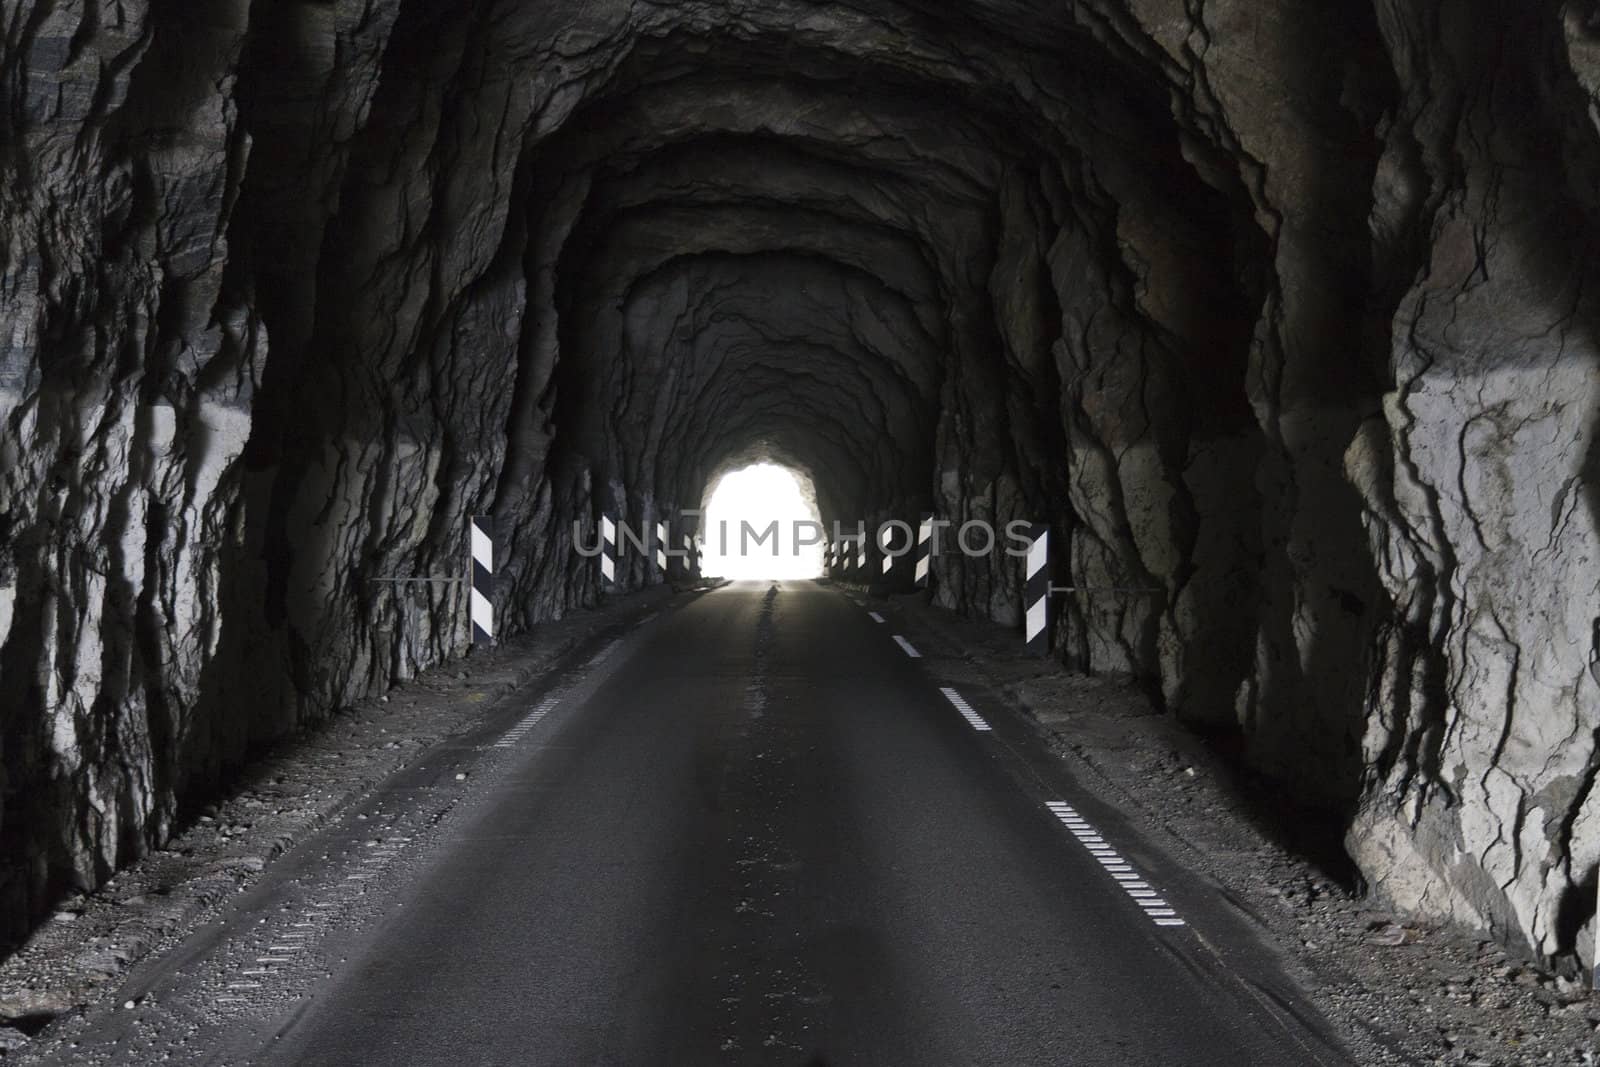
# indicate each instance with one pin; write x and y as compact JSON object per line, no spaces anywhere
{"x":1276,"y":315}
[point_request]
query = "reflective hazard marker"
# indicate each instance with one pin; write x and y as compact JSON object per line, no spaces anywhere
{"x":924,"y":549}
{"x":661,"y":548}
{"x":1036,"y":591}
{"x":482,"y":595}
{"x":608,"y":550}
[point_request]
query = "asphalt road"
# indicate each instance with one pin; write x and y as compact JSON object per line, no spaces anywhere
{"x":762,"y":835}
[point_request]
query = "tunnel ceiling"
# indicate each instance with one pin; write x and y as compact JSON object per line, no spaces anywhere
{"x":773,"y":239}
{"x":1278,"y":312}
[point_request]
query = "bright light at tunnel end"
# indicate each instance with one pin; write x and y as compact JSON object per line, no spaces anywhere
{"x":751,"y":509}
{"x":761,"y":523}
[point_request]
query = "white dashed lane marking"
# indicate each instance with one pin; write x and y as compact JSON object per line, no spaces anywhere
{"x":960,"y":704}
{"x":1148,"y":899}
{"x":1127,"y":879}
{"x":520,"y":730}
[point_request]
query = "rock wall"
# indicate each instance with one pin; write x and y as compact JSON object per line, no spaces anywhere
{"x":1278,"y":313}
{"x":1480,"y":488}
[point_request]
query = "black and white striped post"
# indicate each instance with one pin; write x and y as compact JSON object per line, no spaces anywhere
{"x":861,"y":556}
{"x":661,"y":549}
{"x":691,"y":558}
{"x":924,"y":549}
{"x":608,"y":551}
{"x":482,"y":593}
{"x":1036,"y":591}
{"x":886,"y":541}
{"x":827,"y":558}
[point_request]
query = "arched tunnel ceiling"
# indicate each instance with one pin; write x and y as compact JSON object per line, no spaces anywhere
{"x":772,"y":240}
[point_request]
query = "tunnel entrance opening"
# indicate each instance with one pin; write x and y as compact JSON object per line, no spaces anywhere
{"x":761,"y":522}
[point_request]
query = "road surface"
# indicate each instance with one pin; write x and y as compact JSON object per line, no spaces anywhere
{"x":753,"y":831}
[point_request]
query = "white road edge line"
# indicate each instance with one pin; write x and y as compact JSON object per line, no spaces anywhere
{"x":604,"y":654}
{"x":520,"y":729}
{"x":906,"y":647}
{"x":974,"y":720}
{"x":875,"y":616}
{"x":1127,"y":879}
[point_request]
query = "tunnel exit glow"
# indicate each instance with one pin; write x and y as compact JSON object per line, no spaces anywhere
{"x":742,"y":510}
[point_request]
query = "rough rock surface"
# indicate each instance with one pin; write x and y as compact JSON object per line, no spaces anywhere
{"x":1278,"y":311}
